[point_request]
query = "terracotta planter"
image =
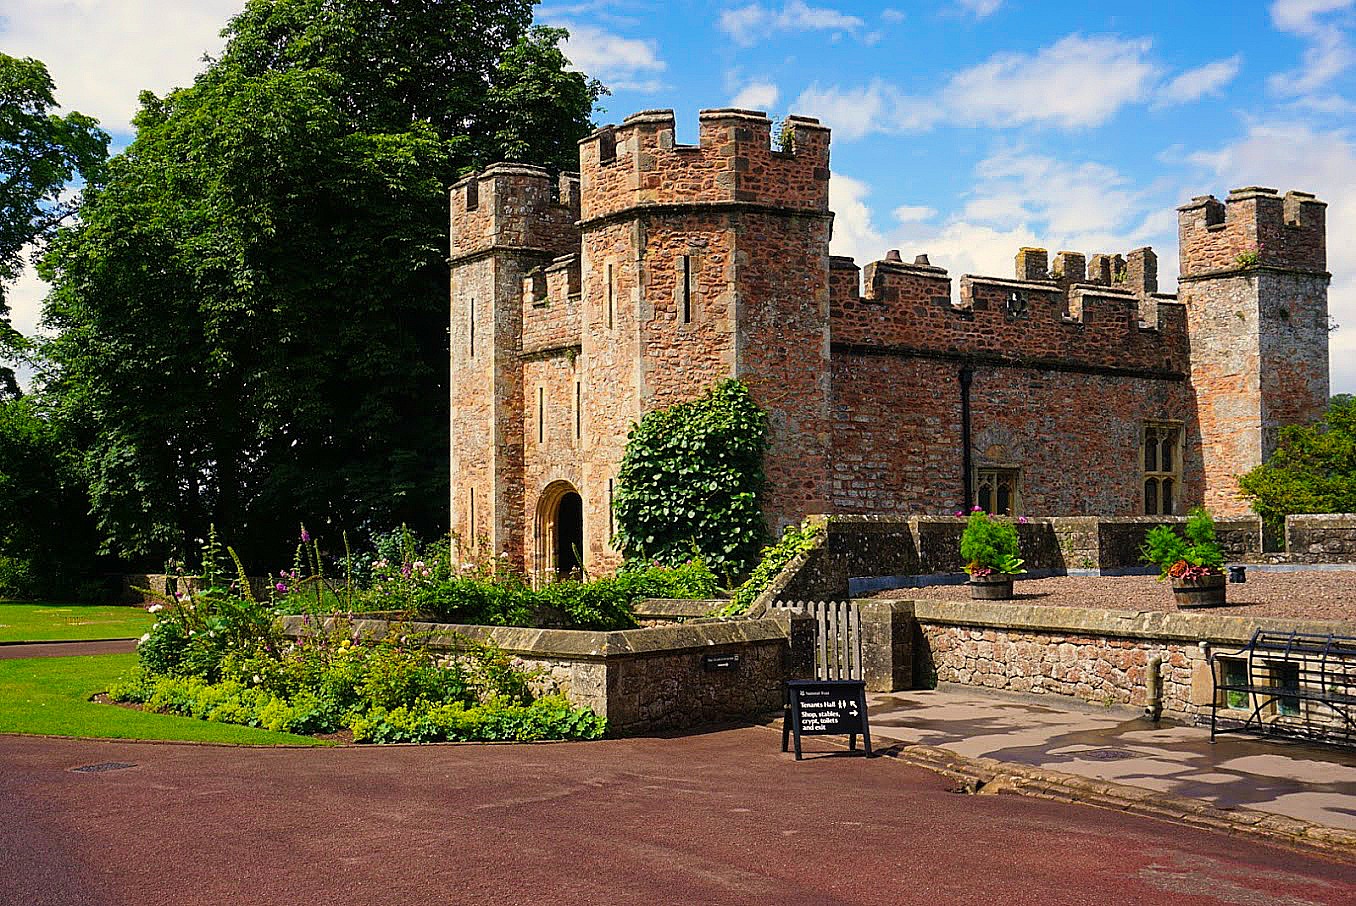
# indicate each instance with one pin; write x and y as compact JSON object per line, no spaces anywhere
{"x":993,"y":587}
{"x":1206,"y":592}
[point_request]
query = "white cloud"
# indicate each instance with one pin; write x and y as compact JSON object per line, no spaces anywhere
{"x":892,"y":15}
{"x":875,"y":107}
{"x":102,"y":53}
{"x":1017,"y":199}
{"x":980,"y":9}
{"x":747,"y":25}
{"x":623,"y":64}
{"x":1328,"y":55}
{"x":1076,"y":82}
{"x":1197,"y":83}
{"x":913,"y":213}
{"x":1299,"y":156}
{"x":756,"y":96}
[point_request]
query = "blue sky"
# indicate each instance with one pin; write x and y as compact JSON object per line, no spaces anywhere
{"x":962,"y":128}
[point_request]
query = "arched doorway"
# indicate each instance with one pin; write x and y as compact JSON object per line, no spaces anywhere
{"x":570,"y":535}
{"x":560,"y":532}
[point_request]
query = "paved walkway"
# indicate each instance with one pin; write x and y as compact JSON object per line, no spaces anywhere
{"x":66,"y":649}
{"x":1313,"y":783}
{"x":719,"y":818}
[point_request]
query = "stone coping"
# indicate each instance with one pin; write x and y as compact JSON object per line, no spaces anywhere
{"x":576,"y":644}
{"x":1152,"y":625}
{"x":676,"y":608}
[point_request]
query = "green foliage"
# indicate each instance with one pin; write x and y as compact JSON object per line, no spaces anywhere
{"x":1190,"y":554}
{"x":795,"y":540}
{"x":48,"y":541}
{"x":392,"y":689}
{"x":550,"y":717}
{"x":602,"y":604}
{"x":1312,"y":471}
{"x":690,"y":481}
{"x":40,"y":153}
{"x":252,"y":307}
{"x":989,"y":545}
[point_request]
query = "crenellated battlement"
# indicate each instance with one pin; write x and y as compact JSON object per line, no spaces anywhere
{"x":517,"y":207}
{"x":1253,"y":227}
{"x":551,"y":300}
{"x":639,"y":163}
{"x":1057,"y":315}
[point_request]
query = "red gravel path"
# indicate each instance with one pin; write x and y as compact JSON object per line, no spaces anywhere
{"x":1315,"y":595}
{"x":720,"y":818}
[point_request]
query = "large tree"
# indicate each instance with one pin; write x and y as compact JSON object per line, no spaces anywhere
{"x":1312,"y":471}
{"x":252,"y":310}
{"x":40,"y":153}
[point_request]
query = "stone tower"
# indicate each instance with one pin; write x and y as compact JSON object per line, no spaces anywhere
{"x":702,"y":262}
{"x":1254,"y":281}
{"x":507,"y":221}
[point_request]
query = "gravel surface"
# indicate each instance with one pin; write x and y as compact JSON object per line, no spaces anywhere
{"x":1316,"y":595}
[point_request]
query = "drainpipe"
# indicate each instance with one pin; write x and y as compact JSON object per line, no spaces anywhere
{"x":967,"y":375}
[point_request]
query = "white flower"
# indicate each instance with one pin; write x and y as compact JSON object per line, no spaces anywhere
{"x":211,"y":634}
{"x":418,"y":564}
{"x":144,"y":638}
{"x":155,"y":608}
{"x":257,"y":680}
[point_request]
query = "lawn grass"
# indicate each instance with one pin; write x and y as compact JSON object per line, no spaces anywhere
{"x":50,"y":695}
{"x":70,"y":622}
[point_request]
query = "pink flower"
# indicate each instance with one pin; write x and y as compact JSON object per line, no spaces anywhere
{"x":280,"y":587}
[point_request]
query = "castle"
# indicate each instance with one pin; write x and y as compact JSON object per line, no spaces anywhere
{"x":1073,"y":387}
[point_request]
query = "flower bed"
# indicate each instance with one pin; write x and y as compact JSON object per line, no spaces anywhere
{"x":222,"y":658}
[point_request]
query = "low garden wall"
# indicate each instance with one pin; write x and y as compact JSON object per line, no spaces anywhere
{"x":1327,"y":538}
{"x":1098,"y":656}
{"x":861,"y":554}
{"x":644,"y":680}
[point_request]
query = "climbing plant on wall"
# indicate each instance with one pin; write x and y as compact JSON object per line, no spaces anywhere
{"x":690,"y":482}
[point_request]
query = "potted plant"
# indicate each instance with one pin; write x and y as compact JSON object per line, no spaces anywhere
{"x":989,"y":548}
{"x":1194,"y":564}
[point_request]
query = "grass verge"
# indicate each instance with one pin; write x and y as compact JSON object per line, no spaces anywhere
{"x":70,"y":622}
{"x":50,"y":696}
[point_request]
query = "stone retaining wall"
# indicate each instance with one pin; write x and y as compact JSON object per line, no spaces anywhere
{"x":1098,"y":656}
{"x":643,"y":680}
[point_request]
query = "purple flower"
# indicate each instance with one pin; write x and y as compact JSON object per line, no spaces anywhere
{"x":305,"y":535}
{"x":960,"y":513}
{"x":1021,"y":520}
{"x":280,"y":587}
{"x":976,"y":509}
{"x":405,"y":570}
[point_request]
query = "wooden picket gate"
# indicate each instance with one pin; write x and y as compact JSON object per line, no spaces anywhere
{"x":838,"y":637}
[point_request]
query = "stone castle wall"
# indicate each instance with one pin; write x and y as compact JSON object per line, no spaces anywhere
{"x":664,"y":268}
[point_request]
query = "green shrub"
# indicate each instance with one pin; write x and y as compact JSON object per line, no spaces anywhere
{"x":1191,"y":555}
{"x":990,"y":545}
{"x":550,"y":717}
{"x":1312,"y":471}
{"x":602,"y":604}
{"x":690,"y":479}
{"x":795,"y":540}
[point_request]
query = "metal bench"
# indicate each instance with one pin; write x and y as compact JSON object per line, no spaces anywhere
{"x":1291,"y":684}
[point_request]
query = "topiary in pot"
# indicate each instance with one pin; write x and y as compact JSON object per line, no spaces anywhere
{"x":989,"y":548}
{"x":1193,"y":561}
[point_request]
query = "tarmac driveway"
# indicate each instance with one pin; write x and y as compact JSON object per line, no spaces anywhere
{"x":721,"y":817}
